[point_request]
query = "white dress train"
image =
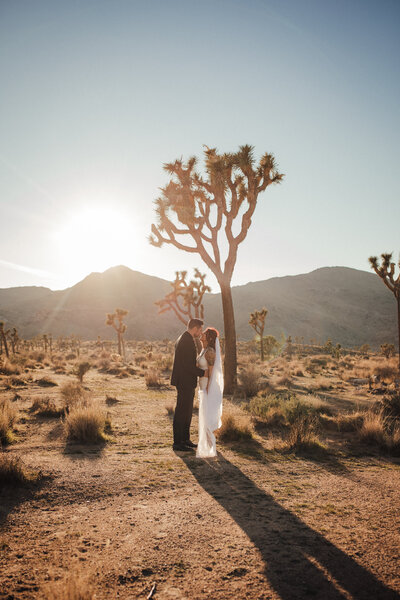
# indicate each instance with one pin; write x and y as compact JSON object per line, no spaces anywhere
{"x":210,"y":405}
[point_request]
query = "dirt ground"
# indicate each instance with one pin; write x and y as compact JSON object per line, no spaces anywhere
{"x":247,"y":524}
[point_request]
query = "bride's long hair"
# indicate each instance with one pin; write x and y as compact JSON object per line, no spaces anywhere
{"x":211,"y":335}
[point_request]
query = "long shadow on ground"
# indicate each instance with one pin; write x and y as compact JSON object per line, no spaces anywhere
{"x":298,"y":560}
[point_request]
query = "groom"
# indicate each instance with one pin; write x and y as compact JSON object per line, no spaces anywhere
{"x":184,"y":378}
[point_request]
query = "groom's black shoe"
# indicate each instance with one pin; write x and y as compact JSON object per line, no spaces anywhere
{"x":190,"y":444}
{"x":181,"y":447}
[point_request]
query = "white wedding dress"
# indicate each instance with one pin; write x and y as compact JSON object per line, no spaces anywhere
{"x":210,"y":404}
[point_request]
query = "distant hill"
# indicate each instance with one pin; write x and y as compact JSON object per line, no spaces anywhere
{"x":349,"y":306}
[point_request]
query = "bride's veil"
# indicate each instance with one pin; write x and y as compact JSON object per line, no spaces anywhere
{"x":215,"y":391}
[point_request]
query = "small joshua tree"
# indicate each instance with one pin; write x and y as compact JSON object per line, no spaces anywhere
{"x":257,"y":321}
{"x":82,"y":369}
{"x":186,"y":298}
{"x":14,"y":338}
{"x":3,"y":336}
{"x":385,"y":270}
{"x":116,"y":320}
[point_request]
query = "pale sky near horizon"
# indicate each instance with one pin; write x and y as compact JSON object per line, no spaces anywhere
{"x":96,"y":95}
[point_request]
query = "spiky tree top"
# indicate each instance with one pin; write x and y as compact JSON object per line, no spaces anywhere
{"x":386,"y":271}
{"x":186,"y":298}
{"x":200,"y":206}
{"x":257,"y":320}
{"x":118,"y":315}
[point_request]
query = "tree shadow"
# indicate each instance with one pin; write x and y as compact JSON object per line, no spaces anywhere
{"x":79,"y":450}
{"x":299,"y":561}
{"x":12,"y":495}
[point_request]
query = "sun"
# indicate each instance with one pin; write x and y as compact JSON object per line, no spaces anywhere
{"x":94,"y":239}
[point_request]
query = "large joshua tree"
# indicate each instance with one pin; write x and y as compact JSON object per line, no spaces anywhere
{"x":386,"y":271}
{"x":116,"y":320}
{"x":186,"y":298}
{"x":208,"y":213}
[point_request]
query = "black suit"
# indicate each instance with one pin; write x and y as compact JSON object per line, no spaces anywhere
{"x":184,"y":378}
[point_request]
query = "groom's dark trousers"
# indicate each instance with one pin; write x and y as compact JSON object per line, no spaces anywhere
{"x":184,"y":378}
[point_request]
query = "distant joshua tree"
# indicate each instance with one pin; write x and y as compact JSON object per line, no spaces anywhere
{"x":257,"y":321}
{"x":116,"y":320}
{"x":211,"y":211}
{"x":186,"y":298}
{"x":14,"y":338}
{"x":385,"y":270}
{"x":3,"y":337}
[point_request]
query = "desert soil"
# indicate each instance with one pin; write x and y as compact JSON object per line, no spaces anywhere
{"x":250,"y":523}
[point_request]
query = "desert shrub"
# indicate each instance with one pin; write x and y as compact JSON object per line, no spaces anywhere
{"x":386,"y":373}
{"x":345,"y":422}
{"x":250,"y":380}
{"x":140,"y":358}
{"x":110,"y":400}
{"x":152,"y":379}
{"x":389,"y":405}
{"x":284,"y":380}
{"x":81,"y":369}
{"x":319,"y":384}
{"x":45,"y":407}
{"x":13,"y":472}
{"x":37,"y":356}
{"x":388,"y":350}
{"x":235,"y":427}
{"x":73,"y":394}
{"x":104,"y":364}
{"x":70,"y":356}
{"x":45,"y":382}
{"x":8,"y":416}
{"x":86,"y":423}
{"x":9,"y":368}
{"x":12,"y":381}
{"x":302,"y":435}
{"x":286,"y":408}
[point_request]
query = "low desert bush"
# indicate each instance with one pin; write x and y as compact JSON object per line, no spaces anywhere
{"x":152,"y":379}
{"x":302,"y":435}
{"x":87,"y":423}
{"x":9,"y":368}
{"x":389,"y":405}
{"x":386,"y":373}
{"x":284,"y":380}
{"x":250,"y":380}
{"x":46,"y":382}
{"x":13,"y":472}
{"x":286,"y":408}
{"x":45,"y":407}
{"x":12,"y":381}
{"x":345,"y":422}
{"x":8,"y":416}
{"x":235,"y":427}
{"x":73,"y":394}
{"x":319,"y":384}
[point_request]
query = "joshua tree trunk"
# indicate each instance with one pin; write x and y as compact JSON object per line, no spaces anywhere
{"x":119,"y":344}
{"x":398,"y":324}
{"x":230,"y":363}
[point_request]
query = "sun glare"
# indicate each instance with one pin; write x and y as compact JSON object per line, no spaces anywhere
{"x":94,"y":240}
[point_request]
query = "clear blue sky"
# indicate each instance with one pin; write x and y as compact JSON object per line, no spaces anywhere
{"x":96,"y":95}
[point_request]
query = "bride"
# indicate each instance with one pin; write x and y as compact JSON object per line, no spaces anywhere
{"x":210,"y":393}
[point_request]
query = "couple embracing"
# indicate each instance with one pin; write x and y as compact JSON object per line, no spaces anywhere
{"x":187,"y":368}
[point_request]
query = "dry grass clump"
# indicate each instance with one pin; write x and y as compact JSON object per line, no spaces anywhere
{"x":285,"y":380}
{"x":389,"y":405}
{"x":386,"y":373}
{"x":152,"y":379}
{"x":73,"y":394}
{"x":13,"y":472}
{"x":9,"y":368}
{"x":381,"y":431}
{"x":345,"y":422}
{"x":73,"y":587}
{"x":45,"y":407}
{"x":45,"y":382}
{"x":316,"y":364}
{"x":319,"y":384}
{"x":8,"y":416}
{"x":250,"y":380}
{"x":302,"y":435}
{"x":235,"y":427}
{"x":87,"y":423}
{"x":12,"y":381}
